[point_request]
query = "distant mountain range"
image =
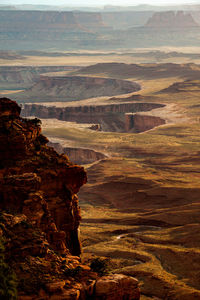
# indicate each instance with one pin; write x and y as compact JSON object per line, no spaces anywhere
{"x":107,"y":8}
{"x":172,"y":19}
{"x":69,"y":30}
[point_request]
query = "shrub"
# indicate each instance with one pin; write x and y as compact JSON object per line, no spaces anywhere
{"x":100,"y":265}
{"x":8,"y":281}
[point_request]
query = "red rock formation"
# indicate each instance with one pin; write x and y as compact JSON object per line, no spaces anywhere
{"x":141,"y":123}
{"x":114,"y":285}
{"x":24,"y":150}
{"x":40,"y":215}
{"x":78,"y":155}
{"x":110,"y":117}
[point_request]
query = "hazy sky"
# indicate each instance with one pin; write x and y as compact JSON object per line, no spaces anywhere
{"x":100,"y":2}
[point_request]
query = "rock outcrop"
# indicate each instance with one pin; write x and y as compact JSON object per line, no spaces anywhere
{"x":171,"y":19}
{"x":71,"y":88}
{"x":15,"y":77}
{"x":140,"y":123}
{"x":29,"y":168}
{"x":40,"y":215}
{"x":92,"y":21}
{"x":114,"y":285}
{"x":78,"y":155}
{"x":183,"y":87}
{"x":44,"y":21}
{"x":111,"y":117}
{"x":33,"y":21}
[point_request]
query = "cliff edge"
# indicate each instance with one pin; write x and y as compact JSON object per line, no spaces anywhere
{"x":40,"y":215}
{"x":171,"y":19}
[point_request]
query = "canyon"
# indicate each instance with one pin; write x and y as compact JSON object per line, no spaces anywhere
{"x":111,"y":117}
{"x":70,"y":30}
{"x":140,"y":206}
{"x":43,"y":248}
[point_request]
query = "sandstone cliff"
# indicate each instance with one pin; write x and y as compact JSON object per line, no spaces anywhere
{"x":141,"y":123}
{"x":92,"y":21}
{"x":78,"y":155}
{"x":110,"y":117}
{"x":33,"y":21}
{"x":40,"y":215}
{"x":171,"y":19}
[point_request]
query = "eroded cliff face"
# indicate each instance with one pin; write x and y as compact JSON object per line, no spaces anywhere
{"x":28,"y":165}
{"x":36,"y":21}
{"x":92,"y":21}
{"x":20,"y":77}
{"x":171,"y":19}
{"x":78,"y":155}
{"x":111,"y":117}
{"x":140,"y":123}
{"x":71,"y":88}
{"x":40,"y":215}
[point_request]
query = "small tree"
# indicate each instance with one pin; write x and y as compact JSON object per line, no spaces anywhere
{"x":100,"y":266}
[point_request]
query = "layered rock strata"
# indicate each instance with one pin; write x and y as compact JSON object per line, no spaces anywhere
{"x":171,"y":19}
{"x":29,"y":166}
{"x":71,"y":88}
{"x":141,"y":123}
{"x":78,"y":155}
{"x":20,"y":77}
{"x":40,"y":215}
{"x":110,"y":117}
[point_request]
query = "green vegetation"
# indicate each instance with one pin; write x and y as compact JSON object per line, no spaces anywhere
{"x":100,"y":266}
{"x":8,"y":281}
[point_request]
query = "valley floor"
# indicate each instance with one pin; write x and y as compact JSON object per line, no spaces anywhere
{"x":141,"y":205}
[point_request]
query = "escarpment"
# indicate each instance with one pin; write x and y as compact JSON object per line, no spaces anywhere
{"x":28,"y":165}
{"x":78,"y":155}
{"x":39,"y":219}
{"x":111,"y":117}
{"x":171,"y":19}
{"x":20,"y":77}
{"x":71,"y":88}
{"x":141,"y":123}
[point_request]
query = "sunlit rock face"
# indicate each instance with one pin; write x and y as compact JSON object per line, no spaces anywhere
{"x":40,"y":215}
{"x":28,"y":165}
{"x":111,"y":117}
{"x":141,"y":123}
